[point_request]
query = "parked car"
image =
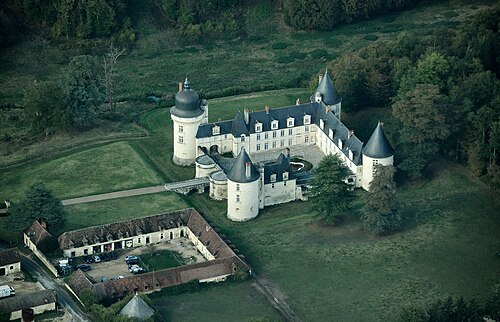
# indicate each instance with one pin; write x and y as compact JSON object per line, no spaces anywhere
{"x":6,"y":291}
{"x":103,"y":279}
{"x":84,"y":267}
{"x":113,"y":255}
{"x":88,"y":259}
{"x":96,"y":258}
{"x":131,"y":257}
{"x":140,"y":271}
{"x":64,"y":270}
{"x":132,"y":262}
{"x":133,"y":268}
{"x":106,"y":257}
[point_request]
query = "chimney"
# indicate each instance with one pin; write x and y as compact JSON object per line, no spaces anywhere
{"x":246,"y":115}
{"x":247,"y":169}
{"x":267,"y":109}
{"x":297,"y":102}
{"x":320,"y":77}
{"x":381,"y":124}
{"x":328,"y":109}
{"x":180,"y":87}
{"x":43,"y":224}
{"x":350,"y":133}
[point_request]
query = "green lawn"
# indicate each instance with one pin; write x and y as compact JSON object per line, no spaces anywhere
{"x":162,"y":259}
{"x":220,"y":302}
{"x":110,"y":167}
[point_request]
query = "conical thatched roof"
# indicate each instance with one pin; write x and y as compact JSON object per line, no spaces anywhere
{"x":137,"y":308}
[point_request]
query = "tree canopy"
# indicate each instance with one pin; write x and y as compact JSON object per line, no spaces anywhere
{"x":38,"y":202}
{"x":331,"y":196}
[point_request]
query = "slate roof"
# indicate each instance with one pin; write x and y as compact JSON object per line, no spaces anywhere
{"x":19,"y":302}
{"x":137,"y":308}
{"x":281,"y":165}
{"x":37,"y":233}
{"x":187,"y":102}
{"x":378,"y":145}
{"x":225,"y":263}
{"x":9,"y":256}
{"x":238,"y":170}
{"x":329,"y":94}
{"x":123,"y":229}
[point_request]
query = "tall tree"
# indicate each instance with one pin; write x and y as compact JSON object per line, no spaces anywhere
{"x":44,"y":107}
{"x":83,"y":90}
{"x":422,"y":114}
{"x":38,"y":202}
{"x":380,"y":215}
{"x":331,"y":197}
{"x":110,"y":73}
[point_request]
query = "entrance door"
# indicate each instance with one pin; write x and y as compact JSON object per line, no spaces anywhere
{"x":2,"y":271}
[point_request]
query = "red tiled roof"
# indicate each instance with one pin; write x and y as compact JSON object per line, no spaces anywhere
{"x":37,"y":233}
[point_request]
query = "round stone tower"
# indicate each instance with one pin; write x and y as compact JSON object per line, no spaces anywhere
{"x":243,"y":189}
{"x":187,"y":115}
{"x":378,"y":150}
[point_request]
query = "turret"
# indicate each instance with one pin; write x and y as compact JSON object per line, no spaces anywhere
{"x":187,"y":114}
{"x":243,"y":189}
{"x":326,"y":93}
{"x":378,"y":150}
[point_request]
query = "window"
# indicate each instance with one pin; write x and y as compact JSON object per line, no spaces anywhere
{"x":237,"y":187}
{"x":285,"y":175}
{"x":282,"y":143}
{"x":274,"y":144}
{"x":258,"y":147}
{"x":321,"y":124}
{"x":273,"y":177}
{"x":85,"y":251}
{"x":161,"y":236}
{"x":290,"y":131}
{"x":340,"y":144}
{"x":266,"y":146}
{"x":306,"y":139}
{"x":11,"y":267}
{"x":375,"y":162}
{"x":274,"y":134}
{"x":307,"y":119}
{"x":181,"y":139}
{"x":258,"y":137}
{"x":181,"y":129}
{"x":282,"y":132}
{"x":258,"y":127}
{"x":139,"y":240}
{"x":73,"y":254}
{"x":284,"y":183}
{"x":306,"y":129}
{"x":290,"y":142}
{"x":266,"y":135}
{"x":330,"y":134}
{"x":272,"y":185}
{"x":237,"y":198}
{"x":242,"y":138}
{"x":216,"y":130}
{"x":274,"y":125}
{"x":290,"y":122}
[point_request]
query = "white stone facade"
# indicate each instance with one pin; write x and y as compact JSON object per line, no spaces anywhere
{"x":184,"y":138}
{"x":369,"y":169}
{"x":242,"y":200}
{"x":10,"y":268}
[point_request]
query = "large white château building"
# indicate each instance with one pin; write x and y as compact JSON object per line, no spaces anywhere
{"x":249,"y":188}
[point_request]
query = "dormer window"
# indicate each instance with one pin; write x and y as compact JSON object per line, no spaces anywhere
{"x":351,"y":155}
{"x":285,"y":175}
{"x":273,"y":177}
{"x":258,"y":127}
{"x":307,"y":119}
{"x":290,"y":122}
{"x":330,"y":134}
{"x":274,"y":124}
{"x":216,"y":130}
{"x":340,"y":144}
{"x":242,"y":137}
{"x":321,"y":124}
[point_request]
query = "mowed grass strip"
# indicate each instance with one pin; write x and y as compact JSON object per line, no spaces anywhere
{"x":162,"y":259}
{"x":107,"y":168}
{"x":218,"y":302}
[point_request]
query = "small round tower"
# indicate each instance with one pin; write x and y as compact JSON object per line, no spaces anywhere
{"x":327,"y":93}
{"x":378,"y":150}
{"x":187,"y":115}
{"x":243,"y":189}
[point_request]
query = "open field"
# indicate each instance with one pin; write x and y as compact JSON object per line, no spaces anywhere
{"x":219,"y":302}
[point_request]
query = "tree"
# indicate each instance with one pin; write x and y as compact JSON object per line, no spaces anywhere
{"x":83,"y":90}
{"x":38,"y":202}
{"x":110,"y":73}
{"x":330,"y":194}
{"x":44,"y":107}
{"x":421,"y":113}
{"x":380,"y":213}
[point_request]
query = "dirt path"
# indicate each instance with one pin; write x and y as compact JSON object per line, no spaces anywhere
{"x":114,"y":195}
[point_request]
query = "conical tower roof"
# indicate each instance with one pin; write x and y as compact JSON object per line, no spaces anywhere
{"x":238,"y":172}
{"x":137,"y":308}
{"x":378,"y":146}
{"x":328,"y":91}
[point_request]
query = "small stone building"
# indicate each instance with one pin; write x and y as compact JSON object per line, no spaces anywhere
{"x":40,"y":302}
{"x":10,"y":262}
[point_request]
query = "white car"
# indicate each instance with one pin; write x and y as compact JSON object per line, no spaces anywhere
{"x":134,"y":268}
{"x":96,"y":258}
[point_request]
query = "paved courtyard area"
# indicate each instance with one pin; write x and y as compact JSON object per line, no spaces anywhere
{"x":311,"y":153}
{"x":19,"y":284}
{"x":118,"y":267}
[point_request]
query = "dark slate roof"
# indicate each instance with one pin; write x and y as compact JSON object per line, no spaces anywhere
{"x":328,"y":91}
{"x":19,"y":302}
{"x":238,"y":126}
{"x":9,"y":256}
{"x":137,"y":308}
{"x":205,"y":130}
{"x":281,"y":165}
{"x":187,"y":103}
{"x":238,"y":170}
{"x":378,"y":146}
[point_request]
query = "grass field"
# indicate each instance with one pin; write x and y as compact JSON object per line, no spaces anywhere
{"x":220,"y":302}
{"x":107,"y":168}
{"x":162,"y":259}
